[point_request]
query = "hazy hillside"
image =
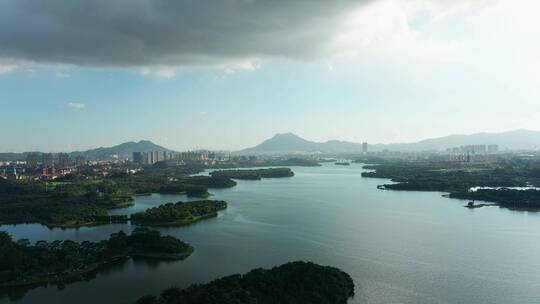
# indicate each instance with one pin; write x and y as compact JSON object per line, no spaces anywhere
{"x":513,"y":140}
{"x":121,"y":151}
{"x":291,"y":143}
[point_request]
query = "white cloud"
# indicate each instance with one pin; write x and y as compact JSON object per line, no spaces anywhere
{"x":160,"y":71}
{"x":7,"y":68}
{"x":229,"y":67}
{"x":388,"y":29}
{"x":76,"y":105}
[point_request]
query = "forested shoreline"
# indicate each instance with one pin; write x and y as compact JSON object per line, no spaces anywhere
{"x":82,"y":200}
{"x":25,"y":264}
{"x":291,"y":283}
{"x":457,"y":179}
{"x":253,"y":174}
{"x":178,"y":214}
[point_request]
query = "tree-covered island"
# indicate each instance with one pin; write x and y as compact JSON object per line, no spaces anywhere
{"x":23,"y":264}
{"x":253,"y":174}
{"x":291,"y":283}
{"x":178,"y":214}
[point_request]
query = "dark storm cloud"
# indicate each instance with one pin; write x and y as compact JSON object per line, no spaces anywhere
{"x":145,"y":32}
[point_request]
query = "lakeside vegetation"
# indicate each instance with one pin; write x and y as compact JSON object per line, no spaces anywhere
{"x":23,"y":264}
{"x":63,"y":204}
{"x":291,"y":283}
{"x":510,"y":198}
{"x":84,"y":199}
{"x":170,"y":179}
{"x":253,"y":174}
{"x":178,"y":214}
{"x":459,"y":178}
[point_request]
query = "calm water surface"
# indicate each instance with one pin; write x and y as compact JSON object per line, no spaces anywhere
{"x":399,"y":247}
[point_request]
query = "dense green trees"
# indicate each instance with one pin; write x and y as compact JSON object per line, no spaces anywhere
{"x":177,"y":214}
{"x":59,"y":203}
{"x":504,"y":197}
{"x":79,"y":200}
{"x":291,"y":283}
{"x":253,"y":174}
{"x":458,"y":179}
{"x":60,"y":261}
{"x":210,"y":181}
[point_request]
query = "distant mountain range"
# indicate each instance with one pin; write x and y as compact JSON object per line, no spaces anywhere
{"x":289,"y":143}
{"x":510,"y":140}
{"x":119,"y":151}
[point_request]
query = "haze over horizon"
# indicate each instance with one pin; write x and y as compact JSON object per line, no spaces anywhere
{"x":519,"y":139}
{"x":76,"y":77}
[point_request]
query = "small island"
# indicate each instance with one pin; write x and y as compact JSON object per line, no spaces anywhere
{"x":253,"y":174}
{"x":295,"y":282}
{"x":23,"y":264}
{"x":178,"y":214}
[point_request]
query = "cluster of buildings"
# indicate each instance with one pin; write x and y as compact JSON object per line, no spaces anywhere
{"x":47,"y":160}
{"x":475,"y":149}
{"x":42,"y":165}
{"x":152,"y":157}
{"x":13,"y":172}
{"x":472,"y":153}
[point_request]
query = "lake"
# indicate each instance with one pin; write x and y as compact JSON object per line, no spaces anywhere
{"x":399,"y":247}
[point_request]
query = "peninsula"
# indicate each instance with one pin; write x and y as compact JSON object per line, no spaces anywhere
{"x":23,"y":264}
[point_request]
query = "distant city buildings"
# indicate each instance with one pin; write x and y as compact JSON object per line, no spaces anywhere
{"x":47,"y":160}
{"x":475,"y":149}
{"x":493,"y":148}
{"x":12,"y":173}
{"x":80,"y":160}
{"x":138,"y":157}
{"x":152,"y":157}
{"x":32,"y":159}
{"x":63,"y":160}
{"x":48,"y":173}
{"x":200,"y":155}
{"x":472,"y":153}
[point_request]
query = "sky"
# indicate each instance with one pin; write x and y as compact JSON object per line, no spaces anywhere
{"x":229,"y":74}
